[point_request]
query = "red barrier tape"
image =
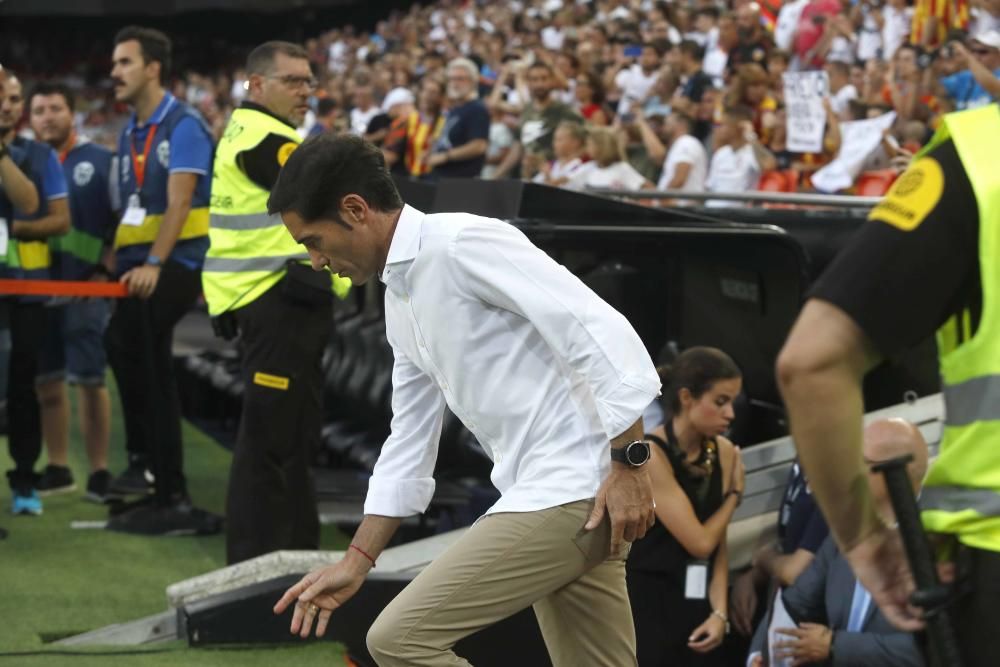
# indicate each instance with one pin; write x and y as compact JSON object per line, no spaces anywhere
{"x":63,"y":288}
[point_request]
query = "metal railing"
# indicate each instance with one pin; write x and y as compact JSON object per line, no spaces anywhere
{"x":803,"y":199}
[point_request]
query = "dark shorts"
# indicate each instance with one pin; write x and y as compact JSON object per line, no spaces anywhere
{"x":73,"y":349}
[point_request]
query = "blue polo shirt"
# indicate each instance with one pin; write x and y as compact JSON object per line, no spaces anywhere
{"x":182,"y":144}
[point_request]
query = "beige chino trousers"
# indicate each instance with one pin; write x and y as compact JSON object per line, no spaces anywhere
{"x":503,"y":564}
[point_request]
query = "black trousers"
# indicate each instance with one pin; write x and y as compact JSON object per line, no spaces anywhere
{"x":24,"y":439}
{"x":271,"y":502}
{"x":139,"y":343}
{"x":976,"y":614}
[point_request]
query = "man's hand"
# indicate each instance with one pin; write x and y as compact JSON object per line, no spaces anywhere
{"x":743,"y":603}
{"x":319,"y":593}
{"x":811,"y":644}
{"x":757,"y":661}
{"x":707,"y":636}
{"x":142,"y":280}
{"x":880,"y":564}
{"x":628,"y":496}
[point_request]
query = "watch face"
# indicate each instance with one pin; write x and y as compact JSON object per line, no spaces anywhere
{"x":637,"y":453}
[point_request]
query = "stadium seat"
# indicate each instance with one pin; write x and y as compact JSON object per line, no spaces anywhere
{"x":874,"y":183}
{"x":786,"y":180}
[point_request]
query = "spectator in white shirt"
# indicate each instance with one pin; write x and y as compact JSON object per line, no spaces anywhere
{"x":686,"y":165}
{"x":842,"y":91}
{"x":608,"y":168}
{"x":896,"y":20}
{"x":550,"y":379}
{"x":567,"y":146}
{"x":635,"y":82}
{"x":739,"y":157}
{"x":787,"y":24}
{"x":364,"y":108}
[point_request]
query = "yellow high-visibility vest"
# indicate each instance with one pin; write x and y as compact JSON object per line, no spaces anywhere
{"x":249,"y":248}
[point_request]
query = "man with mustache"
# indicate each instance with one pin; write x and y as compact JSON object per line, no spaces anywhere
{"x":27,"y":257}
{"x":257,"y":281}
{"x":73,"y":350}
{"x":165,"y":155}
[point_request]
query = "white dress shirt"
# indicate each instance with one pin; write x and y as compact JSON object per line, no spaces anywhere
{"x":540,"y":369}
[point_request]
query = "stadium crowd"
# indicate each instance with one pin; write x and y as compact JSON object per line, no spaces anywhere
{"x":691,"y":94}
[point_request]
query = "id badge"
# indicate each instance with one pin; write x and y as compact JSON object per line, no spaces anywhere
{"x":135,"y":214}
{"x":696,"y":580}
{"x":3,"y":237}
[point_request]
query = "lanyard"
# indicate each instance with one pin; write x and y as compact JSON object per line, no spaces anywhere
{"x":139,"y":161}
{"x":72,"y":143}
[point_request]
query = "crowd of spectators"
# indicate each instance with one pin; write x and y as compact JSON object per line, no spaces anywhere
{"x":626,"y":94}
{"x":655,"y":73}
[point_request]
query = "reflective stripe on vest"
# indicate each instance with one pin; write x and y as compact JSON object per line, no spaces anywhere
{"x":195,"y":225}
{"x":230,"y":265}
{"x":977,"y":399}
{"x":961,"y":494}
{"x":33,"y":255}
{"x":244,"y":222}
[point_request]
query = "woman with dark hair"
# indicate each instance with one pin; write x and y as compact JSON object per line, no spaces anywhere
{"x":677,"y":574}
{"x":590,"y":98}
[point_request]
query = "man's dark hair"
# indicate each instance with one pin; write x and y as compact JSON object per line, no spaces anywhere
{"x":685,"y":119}
{"x":325,"y":106}
{"x":538,"y":64}
{"x":693,"y":49}
{"x":840,"y":67}
{"x":261,"y":59}
{"x":155,"y":46}
{"x":53,"y":88}
{"x":739,"y":112}
{"x":660,"y":45}
{"x":325,"y":169}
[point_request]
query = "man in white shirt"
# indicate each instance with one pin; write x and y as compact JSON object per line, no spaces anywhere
{"x":739,"y":157}
{"x":364,"y":109}
{"x":787,"y":24}
{"x":897,"y":19}
{"x":842,"y":91}
{"x":686,"y":164}
{"x":550,"y":379}
{"x":636,"y":81}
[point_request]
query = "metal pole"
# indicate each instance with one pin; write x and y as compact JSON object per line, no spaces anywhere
{"x":930,"y":595}
{"x":838,"y":201}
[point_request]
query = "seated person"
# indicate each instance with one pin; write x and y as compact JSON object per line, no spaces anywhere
{"x":608,"y":167}
{"x":677,"y":575}
{"x":567,"y":146}
{"x":837,"y":620}
{"x":801,"y":531}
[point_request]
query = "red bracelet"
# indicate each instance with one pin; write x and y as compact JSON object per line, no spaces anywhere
{"x":363,"y":553}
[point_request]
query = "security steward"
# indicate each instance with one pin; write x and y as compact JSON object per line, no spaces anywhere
{"x":258,"y":282}
{"x":164,"y":154}
{"x":929,"y":259}
{"x":27,"y":257}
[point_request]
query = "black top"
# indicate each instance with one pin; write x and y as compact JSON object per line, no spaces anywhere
{"x":916,"y":263}
{"x":659,"y":551}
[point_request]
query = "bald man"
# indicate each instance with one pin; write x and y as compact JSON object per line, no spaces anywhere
{"x":837,"y":620}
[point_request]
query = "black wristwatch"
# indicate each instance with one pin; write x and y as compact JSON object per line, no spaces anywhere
{"x":634,"y":454}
